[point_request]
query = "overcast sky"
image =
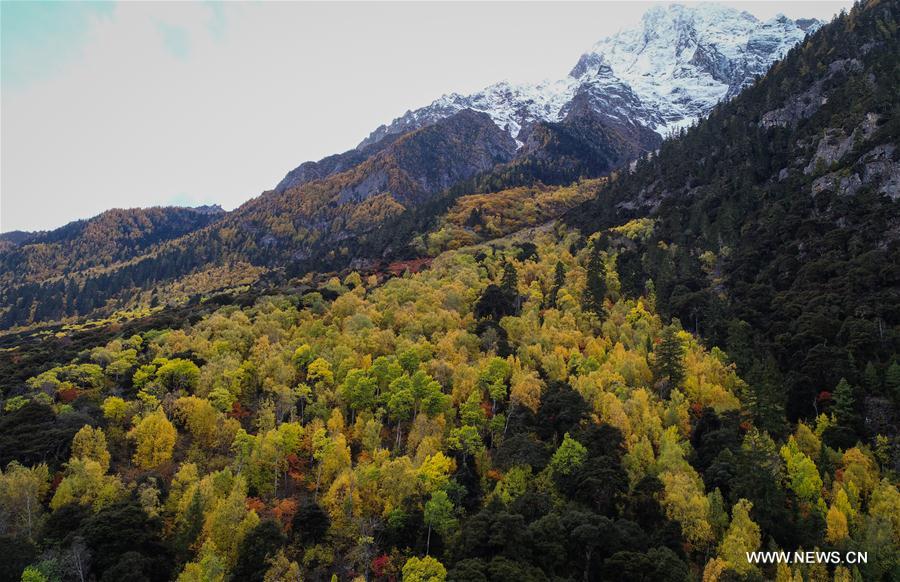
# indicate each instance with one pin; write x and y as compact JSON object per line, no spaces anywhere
{"x":124,"y":104}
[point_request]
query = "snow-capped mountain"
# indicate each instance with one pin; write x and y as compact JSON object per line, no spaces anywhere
{"x":663,"y":75}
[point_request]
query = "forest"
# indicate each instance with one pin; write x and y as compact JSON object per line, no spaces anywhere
{"x":644,"y":375}
{"x":510,"y":413}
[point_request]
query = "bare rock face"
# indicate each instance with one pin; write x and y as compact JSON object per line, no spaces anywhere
{"x":882,"y":164}
{"x":878,"y":168}
{"x":433,"y":158}
{"x":835,"y":144}
{"x":398,"y":174}
{"x":334,"y":164}
{"x":846,"y":185}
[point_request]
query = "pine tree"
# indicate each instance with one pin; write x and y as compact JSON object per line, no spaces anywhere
{"x":871,"y":380}
{"x":844,"y":404}
{"x":509,"y":284}
{"x":670,"y":356}
{"x":559,"y":279}
{"x":510,"y":280}
{"x":595,"y":292}
{"x":190,"y":526}
{"x":765,"y":397}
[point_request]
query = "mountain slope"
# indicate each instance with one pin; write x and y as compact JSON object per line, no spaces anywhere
{"x":523,"y":409}
{"x":69,"y":255}
{"x":407,"y":173}
{"x":302,"y":225}
{"x":110,"y":237}
{"x":777,"y":220}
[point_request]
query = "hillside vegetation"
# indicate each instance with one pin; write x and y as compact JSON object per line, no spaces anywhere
{"x":507,"y":414}
{"x":778,"y":233}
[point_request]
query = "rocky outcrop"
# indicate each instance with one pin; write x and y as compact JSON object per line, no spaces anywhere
{"x":835,"y":144}
{"x":808,"y":102}
{"x":878,"y":169}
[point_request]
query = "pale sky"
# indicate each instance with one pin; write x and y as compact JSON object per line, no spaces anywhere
{"x":128,"y":104}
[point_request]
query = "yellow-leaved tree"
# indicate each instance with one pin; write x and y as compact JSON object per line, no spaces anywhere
{"x":86,"y":483}
{"x":22,"y":490}
{"x":229,"y":522}
{"x":154,"y":437}
{"x":742,"y":537}
{"x":90,"y":443}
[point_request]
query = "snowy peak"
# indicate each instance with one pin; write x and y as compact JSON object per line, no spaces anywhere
{"x":665,"y":74}
{"x":681,"y":61}
{"x":511,"y":106}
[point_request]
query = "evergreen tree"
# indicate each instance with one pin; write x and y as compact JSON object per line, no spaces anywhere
{"x":765,"y":396}
{"x":871,"y":380}
{"x":669,"y":355}
{"x":474,"y":218}
{"x":509,"y":284}
{"x":188,"y":530}
{"x":844,"y":404}
{"x":892,"y":381}
{"x":510,"y":280}
{"x":595,"y":292}
{"x":559,"y":279}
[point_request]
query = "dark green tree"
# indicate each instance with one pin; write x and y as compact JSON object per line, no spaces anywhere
{"x":669,"y":357}
{"x":892,"y":380}
{"x":509,"y":284}
{"x":764,"y":397}
{"x":510,"y":280}
{"x":844,"y":404}
{"x":871,"y":379}
{"x":260,"y":544}
{"x":559,"y":279}
{"x":17,"y":554}
{"x":595,"y":291}
{"x":123,"y":531}
{"x":657,"y":564}
{"x":310,"y":524}
{"x":189,"y":529}
{"x":494,"y":303}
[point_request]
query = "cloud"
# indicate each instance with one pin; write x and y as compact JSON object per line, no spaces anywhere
{"x":176,"y":39}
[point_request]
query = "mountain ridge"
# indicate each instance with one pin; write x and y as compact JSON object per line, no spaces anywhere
{"x":717,"y":52}
{"x":710,"y":43}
